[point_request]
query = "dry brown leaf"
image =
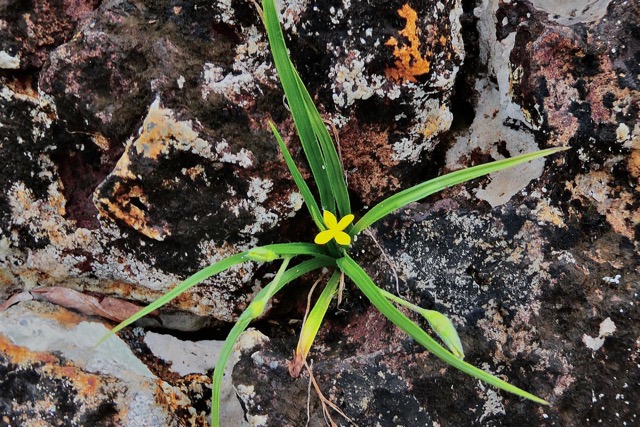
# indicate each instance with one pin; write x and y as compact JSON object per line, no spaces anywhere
{"x":16,"y":298}
{"x":108,"y":307}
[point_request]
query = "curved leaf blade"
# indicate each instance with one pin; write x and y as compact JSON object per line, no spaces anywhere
{"x":282,"y":249}
{"x":335,"y":171}
{"x":307,"y":196}
{"x":312,"y":323}
{"x":441,"y":324}
{"x":299,"y":111}
{"x":260,"y":300}
{"x":427,"y":188}
{"x":372,"y":292}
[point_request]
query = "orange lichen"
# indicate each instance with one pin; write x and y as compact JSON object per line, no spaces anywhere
{"x":161,"y":135}
{"x":85,"y":384}
{"x":616,"y":204}
{"x":433,"y":124}
{"x":120,"y":206}
{"x":22,"y":355}
{"x":62,"y":316}
{"x":409,"y":61}
{"x":634,"y":163}
{"x":634,"y":158}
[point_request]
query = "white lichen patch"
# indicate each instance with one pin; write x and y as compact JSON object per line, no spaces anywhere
{"x":242,"y":158}
{"x":607,"y":328}
{"x":259,"y":189}
{"x":225,"y":11}
{"x":9,"y":62}
{"x":493,"y":404}
{"x":256,"y":195}
{"x":296,"y":202}
{"x":486,"y":131}
{"x":574,"y":11}
{"x":251,"y":70}
{"x":615,"y":280}
{"x":351,"y":82}
{"x":264,"y":218}
{"x":290,"y":12}
{"x":432,"y":119}
{"x":622,"y":133}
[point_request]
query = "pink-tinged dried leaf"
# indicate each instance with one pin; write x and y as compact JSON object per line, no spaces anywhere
{"x":120,"y":309}
{"x":16,"y":298}
{"x":110,"y":308}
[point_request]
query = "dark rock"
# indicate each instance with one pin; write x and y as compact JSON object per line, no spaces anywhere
{"x":135,"y":149}
{"x":30,"y":31}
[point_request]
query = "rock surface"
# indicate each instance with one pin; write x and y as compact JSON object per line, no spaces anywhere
{"x":135,"y":149}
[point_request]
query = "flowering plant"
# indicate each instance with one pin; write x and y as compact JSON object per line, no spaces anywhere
{"x":331,"y":245}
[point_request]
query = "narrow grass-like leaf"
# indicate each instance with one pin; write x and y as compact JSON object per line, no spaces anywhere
{"x":312,"y":324}
{"x":304,"y":126}
{"x":282,"y":249}
{"x":332,"y":162}
{"x":440,"y":323}
{"x":425,"y":189}
{"x":307,"y":196}
{"x":254,"y":310}
{"x":377,"y":298}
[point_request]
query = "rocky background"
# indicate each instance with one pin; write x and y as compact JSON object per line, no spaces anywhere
{"x":135,"y":150}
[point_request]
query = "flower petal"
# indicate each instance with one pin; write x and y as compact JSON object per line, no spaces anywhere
{"x":345,"y":221}
{"x":329,"y":220}
{"x":323,"y":237}
{"x":343,"y":238}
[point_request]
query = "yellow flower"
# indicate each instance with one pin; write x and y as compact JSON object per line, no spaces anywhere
{"x":334,"y":229}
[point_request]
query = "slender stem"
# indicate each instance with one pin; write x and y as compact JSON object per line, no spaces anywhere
{"x":400,"y":301}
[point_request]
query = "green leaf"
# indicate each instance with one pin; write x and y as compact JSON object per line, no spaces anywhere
{"x":443,"y":326}
{"x":262,"y":255}
{"x":283,"y":249}
{"x":425,"y":189}
{"x":254,"y":310}
{"x":307,"y":196}
{"x":312,"y":324}
{"x":440,"y":323}
{"x":304,"y":125}
{"x":334,"y":169}
{"x":377,"y":298}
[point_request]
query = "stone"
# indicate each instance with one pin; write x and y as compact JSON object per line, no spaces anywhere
{"x":52,"y":370}
{"x":135,"y":149}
